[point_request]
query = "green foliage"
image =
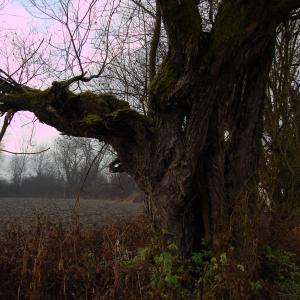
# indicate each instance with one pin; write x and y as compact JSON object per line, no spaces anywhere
{"x":203,"y":276}
{"x":279,"y":269}
{"x":143,"y":254}
{"x":166,"y":271}
{"x":172,"y":276}
{"x":256,"y":286}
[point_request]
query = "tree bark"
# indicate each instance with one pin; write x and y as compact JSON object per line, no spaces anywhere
{"x":199,"y":145}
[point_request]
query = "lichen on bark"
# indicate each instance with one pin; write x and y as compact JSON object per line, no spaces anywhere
{"x":91,"y":119}
{"x":164,"y":80}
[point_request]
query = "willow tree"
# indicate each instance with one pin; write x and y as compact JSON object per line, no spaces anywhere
{"x":198,"y":145}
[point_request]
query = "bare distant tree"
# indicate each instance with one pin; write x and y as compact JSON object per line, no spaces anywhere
{"x":19,"y":163}
{"x":18,"y":167}
{"x":74,"y":158}
{"x":41,"y":163}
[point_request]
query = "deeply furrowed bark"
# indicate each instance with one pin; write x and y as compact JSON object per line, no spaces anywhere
{"x":199,"y":146}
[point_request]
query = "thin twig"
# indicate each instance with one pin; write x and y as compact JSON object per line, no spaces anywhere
{"x":138,"y":3}
{"x":7,"y":121}
{"x":24,"y":153}
{"x":84,"y":180}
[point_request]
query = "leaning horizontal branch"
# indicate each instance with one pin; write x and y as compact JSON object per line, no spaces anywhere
{"x":24,"y":153}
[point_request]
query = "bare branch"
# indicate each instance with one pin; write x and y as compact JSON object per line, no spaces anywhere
{"x":82,"y":77}
{"x":9,"y":116}
{"x":154,"y":42}
{"x":76,"y":205}
{"x":139,"y":3}
{"x":24,"y":153}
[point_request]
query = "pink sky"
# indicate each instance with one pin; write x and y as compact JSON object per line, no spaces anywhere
{"x":22,"y":128}
{"x":15,"y":18}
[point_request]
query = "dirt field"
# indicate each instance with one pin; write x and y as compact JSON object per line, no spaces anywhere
{"x":22,"y":211}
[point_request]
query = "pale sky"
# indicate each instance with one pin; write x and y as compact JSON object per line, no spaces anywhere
{"x":14,"y":17}
{"x":22,"y":128}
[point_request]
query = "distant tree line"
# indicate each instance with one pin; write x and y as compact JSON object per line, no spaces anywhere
{"x":73,"y":165}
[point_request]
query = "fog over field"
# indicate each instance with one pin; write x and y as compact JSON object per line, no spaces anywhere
{"x":91,"y":212}
{"x":48,"y":183}
{"x":68,"y":167}
{"x":4,"y":172}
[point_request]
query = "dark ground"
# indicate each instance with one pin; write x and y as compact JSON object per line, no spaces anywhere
{"x":92,"y":212}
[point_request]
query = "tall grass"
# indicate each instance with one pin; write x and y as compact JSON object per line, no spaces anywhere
{"x":46,"y":261}
{"x":127,"y":259}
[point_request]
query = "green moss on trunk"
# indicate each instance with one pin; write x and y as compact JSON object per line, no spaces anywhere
{"x":164,"y":80}
{"x":231,"y":22}
{"x":184,"y":16}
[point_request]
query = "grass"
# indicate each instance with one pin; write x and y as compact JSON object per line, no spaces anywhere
{"x":49,"y":262}
{"x":127,"y":259}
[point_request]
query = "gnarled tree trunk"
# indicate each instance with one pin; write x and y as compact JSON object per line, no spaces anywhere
{"x":199,"y":145}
